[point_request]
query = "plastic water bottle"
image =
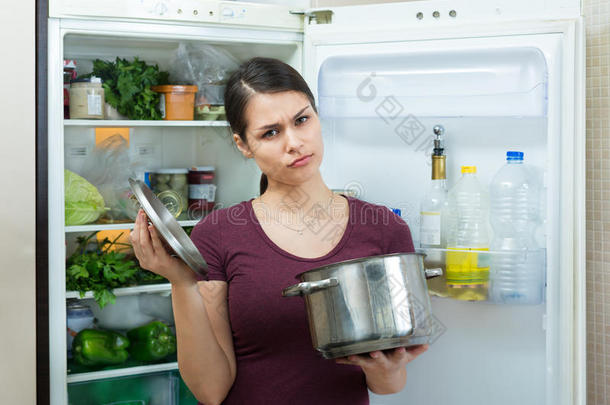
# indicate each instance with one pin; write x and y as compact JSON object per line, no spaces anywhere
{"x":517,"y":269}
{"x":468,"y":211}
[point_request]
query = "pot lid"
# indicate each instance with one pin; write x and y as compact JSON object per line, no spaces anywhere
{"x":168,"y":227}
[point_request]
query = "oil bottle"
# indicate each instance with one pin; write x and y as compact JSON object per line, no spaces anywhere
{"x":432,"y":210}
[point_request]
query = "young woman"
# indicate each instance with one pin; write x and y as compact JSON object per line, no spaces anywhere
{"x":239,"y":340}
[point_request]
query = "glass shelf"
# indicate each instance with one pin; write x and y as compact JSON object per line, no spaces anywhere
{"x":143,"y":123}
{"x":116,"y":226}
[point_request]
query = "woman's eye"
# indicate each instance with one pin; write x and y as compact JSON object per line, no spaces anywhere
{"x":270,"y":133}
{"x":302,"y":119}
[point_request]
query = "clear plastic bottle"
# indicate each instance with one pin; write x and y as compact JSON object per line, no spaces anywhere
{"x":467,"y":233}
{"x":517,"y":270}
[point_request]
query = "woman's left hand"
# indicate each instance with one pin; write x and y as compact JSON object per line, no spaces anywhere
{"x":387,"y":366}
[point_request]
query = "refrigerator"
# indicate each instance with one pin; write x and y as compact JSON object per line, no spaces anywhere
{"x":497,"y":75}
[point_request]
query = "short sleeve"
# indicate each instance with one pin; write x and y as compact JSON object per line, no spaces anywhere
{"x":397,"y":236}
{"x":207,"y":238}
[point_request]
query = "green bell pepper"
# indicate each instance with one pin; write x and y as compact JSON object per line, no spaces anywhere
{"x":151,"y":342}
{"x":94,"y":347}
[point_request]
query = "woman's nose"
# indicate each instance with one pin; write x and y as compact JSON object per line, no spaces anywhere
{"x":293,"y":141}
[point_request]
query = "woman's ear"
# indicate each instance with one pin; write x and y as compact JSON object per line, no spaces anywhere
{"x":242,"y":146}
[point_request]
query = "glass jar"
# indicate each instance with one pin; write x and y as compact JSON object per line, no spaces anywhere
{"x":202,"y":191}
{"x":78,"y":317}
{"x":171,"y":186}
{"x":87,"y":99}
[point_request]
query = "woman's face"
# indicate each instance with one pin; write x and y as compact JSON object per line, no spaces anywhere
{"x":283,"y":136}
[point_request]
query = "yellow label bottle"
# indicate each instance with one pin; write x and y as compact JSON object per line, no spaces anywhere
{"x":467,"y":263}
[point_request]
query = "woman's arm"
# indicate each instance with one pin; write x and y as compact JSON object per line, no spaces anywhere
{"x":385,"y":372}
{"x":205,"y":347}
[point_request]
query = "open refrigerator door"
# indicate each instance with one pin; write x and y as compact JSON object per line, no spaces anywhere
{"x":495,"y":83}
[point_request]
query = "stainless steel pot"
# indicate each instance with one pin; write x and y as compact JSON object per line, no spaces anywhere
{"x":367,"y":304}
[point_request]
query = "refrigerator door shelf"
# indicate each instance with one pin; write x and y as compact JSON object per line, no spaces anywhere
{"x":474,"y":82}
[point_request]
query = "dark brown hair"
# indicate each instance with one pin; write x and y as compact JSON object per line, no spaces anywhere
{"x":259,"y":75}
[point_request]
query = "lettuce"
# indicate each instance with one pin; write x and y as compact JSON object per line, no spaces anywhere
{"x":83,"y":203}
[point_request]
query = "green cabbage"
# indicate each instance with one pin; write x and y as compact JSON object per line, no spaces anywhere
{"x":84,"y":204}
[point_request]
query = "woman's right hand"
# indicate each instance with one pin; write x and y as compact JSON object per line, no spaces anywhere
{"x":153,"y":255}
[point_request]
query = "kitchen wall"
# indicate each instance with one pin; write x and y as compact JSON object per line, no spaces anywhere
{"x":597,"y":17}
{"x":17,"y":206}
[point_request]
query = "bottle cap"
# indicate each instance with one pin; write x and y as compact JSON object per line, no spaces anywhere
{"x":514,"y":155}
{"x":469,"y":169}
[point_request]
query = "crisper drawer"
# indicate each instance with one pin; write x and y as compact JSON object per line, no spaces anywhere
{"x":165,"y":388}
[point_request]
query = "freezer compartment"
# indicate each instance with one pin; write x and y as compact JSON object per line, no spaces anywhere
{"x":165,"y":388}
{"x":504,"y":82}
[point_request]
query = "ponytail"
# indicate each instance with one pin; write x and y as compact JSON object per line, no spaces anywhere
{"x":263,"y":184}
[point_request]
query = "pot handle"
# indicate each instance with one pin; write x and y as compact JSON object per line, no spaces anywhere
{"x":309,"y":287}
{"x":431,"y":273}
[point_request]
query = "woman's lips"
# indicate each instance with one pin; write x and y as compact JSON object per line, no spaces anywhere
{"x":301,"y":162}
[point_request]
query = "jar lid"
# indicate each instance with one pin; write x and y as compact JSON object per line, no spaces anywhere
{"x":92,"y":79}
{"x":174,"y":88}
{"x":202,"y":169}
{"x":171,"y":171}
{"x":74,"y":305}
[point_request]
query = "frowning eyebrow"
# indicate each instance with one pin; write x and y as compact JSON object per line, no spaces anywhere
{"x":269,"y":126}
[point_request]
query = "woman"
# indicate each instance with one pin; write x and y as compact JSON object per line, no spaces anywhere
{"x":239,"y":341}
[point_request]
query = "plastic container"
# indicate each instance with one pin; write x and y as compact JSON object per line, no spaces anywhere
{"x":78,"y":317}
{"x":132,"y":311}
{"x":467,"y":214}
{"x":149,"y":389}
{"x":177,"y":102}
{"x":202,"y":191}
{"x":516,"y":275}
{"x":171,"y":186}
{"x":87,"y":99}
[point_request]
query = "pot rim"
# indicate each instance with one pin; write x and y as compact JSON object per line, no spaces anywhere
{"x":356,"y":260}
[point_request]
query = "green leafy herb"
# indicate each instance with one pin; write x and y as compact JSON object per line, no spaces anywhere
{"x":100,"y":269}
{"x":127,"y":86}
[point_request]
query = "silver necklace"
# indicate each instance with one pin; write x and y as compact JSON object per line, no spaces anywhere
{"x":301,"y":230}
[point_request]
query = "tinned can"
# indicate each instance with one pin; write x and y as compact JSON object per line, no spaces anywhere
{"x":171,"y":187}
{"x":78,"y":317}
{"x":202,"y":191}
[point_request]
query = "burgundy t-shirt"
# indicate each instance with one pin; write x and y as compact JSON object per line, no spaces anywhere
{"x":276,"y":362}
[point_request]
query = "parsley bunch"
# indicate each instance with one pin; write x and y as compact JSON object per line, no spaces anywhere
{"x":127,"y":87}
{"x":100,"y":270}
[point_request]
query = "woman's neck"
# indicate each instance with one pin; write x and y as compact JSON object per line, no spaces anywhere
{"x":299,"y":204}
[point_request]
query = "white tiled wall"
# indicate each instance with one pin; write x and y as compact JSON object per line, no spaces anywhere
{"x":597,"y":17}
